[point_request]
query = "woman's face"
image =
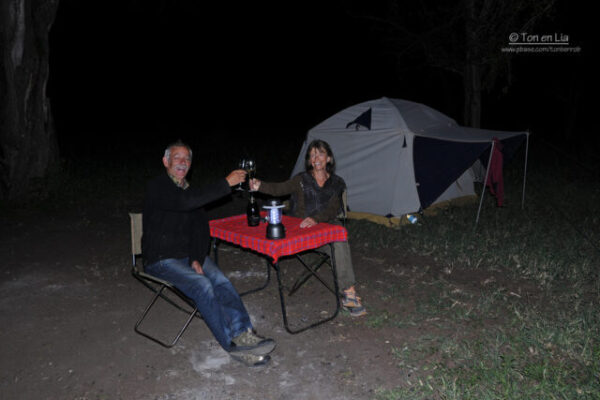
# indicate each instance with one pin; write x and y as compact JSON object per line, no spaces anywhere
{"x":318,"y":159}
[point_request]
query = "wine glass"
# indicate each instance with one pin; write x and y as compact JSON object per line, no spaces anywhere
{"x":250,"y":168}
{"x":241,"y":165}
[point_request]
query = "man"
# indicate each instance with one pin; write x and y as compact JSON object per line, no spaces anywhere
{"x":175,"y":245}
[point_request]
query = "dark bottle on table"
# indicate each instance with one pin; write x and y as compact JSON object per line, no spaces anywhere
{"x":252,"y":212}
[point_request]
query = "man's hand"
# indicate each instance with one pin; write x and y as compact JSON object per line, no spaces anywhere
{"x":236,"y":176}
{"x":197,"y":267}
{"x":308,"y":222}
{"x":254,"y":184}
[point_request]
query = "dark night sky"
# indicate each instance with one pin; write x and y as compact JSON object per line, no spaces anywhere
{"x":139,"y":71}
{"x":206,"y":68}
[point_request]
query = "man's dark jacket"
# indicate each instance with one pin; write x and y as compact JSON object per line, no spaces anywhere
{"x":174,"y":222}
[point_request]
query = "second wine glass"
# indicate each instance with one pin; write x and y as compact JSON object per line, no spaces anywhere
{"x":250,"y":168}
{"x":241,"y":165}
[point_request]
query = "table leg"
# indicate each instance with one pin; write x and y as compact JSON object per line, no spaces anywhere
{"x":264,"y":284}
{"x":215,"y":246}
{"x":282,"y":299}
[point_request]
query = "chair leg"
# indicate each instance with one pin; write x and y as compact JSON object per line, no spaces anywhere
{"x":147,"y":310}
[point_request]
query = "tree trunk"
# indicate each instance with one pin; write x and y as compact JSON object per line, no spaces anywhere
{"x":28,"y":146}
{"x":472,"y":74}
{"x":472,"y":90}
{"x":572,"y":102}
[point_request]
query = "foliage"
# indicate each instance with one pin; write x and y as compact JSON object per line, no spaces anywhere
{"x":461,"y":38}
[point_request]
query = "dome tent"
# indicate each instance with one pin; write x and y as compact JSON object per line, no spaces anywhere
{"x":400,"y":157}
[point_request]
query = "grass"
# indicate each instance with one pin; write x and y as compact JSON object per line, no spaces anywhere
{"x":531,"y":353}
{"x":544,"y":350}
{"x":530,"y":358}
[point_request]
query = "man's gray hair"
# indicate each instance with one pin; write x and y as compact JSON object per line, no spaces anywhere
{"x":178,"y":143}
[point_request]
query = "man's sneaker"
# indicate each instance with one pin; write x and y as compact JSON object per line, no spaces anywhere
{"x":251,"y":360}
{"x":250,"y":342}
{"x":351,"y":302}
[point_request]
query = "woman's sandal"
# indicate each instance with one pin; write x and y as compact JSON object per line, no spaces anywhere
{"x":351,"y":303}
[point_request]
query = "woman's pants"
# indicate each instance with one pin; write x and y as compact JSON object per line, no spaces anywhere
{"x":343,"y":263}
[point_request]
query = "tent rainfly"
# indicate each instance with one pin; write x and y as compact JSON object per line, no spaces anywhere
{"x":399,"y":157}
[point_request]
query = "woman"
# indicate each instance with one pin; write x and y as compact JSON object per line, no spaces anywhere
{"x":317,"y":197}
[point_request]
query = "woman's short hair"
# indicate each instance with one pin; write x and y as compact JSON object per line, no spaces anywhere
{"x":322,"y":146}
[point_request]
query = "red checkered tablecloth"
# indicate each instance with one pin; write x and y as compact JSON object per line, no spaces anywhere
{"x":236,"y":230}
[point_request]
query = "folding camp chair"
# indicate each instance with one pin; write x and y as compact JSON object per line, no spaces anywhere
{"x":319,"y":257}
{"x":159,"y":287}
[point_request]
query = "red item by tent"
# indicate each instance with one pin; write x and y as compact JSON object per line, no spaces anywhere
{"x":495,"y":181}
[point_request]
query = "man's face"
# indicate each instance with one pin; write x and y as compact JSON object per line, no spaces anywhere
{"x":179,"y":162}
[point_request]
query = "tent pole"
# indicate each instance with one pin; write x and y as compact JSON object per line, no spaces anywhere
{"x":525,"y":171}
{"x":487,"y":172}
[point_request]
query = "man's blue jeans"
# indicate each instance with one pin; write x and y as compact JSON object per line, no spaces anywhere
{"x":218,"y":302}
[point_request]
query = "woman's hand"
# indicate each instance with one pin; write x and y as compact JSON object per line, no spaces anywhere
{"x":254,"y":184}
{"x":236,"y":176}
{"x":308,"y":222}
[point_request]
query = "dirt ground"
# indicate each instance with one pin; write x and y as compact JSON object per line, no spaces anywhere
{"x":68,"y":304}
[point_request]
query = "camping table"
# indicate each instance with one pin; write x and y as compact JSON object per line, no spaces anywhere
{"x":235,"y":230}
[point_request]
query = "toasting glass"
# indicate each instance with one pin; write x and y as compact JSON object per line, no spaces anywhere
{"x":250,"y":168}
{"x":241,"y":165}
